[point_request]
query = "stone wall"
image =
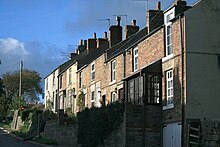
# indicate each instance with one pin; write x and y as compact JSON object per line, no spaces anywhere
{"x":210,"y":133}
{"x":65,"y":135}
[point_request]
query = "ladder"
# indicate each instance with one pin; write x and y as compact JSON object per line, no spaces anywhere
{"x":193,"y":133}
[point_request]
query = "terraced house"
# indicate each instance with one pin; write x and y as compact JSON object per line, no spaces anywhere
{"x":167,"y":74}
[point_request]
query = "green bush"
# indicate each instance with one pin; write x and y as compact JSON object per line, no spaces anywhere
{"x":95,"y":124}
{"x":70,"y":119}
{"x":25,"y":113}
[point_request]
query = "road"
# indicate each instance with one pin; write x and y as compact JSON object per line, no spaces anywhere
{"x":6,"y":140}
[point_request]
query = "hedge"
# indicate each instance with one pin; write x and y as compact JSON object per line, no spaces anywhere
{"x":25,"y":113}
{"x":95,"y":124}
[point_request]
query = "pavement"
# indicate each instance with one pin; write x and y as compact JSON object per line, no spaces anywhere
{"x":9,"y":140}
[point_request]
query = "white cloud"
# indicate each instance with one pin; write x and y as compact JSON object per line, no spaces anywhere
{"x":12,"y":46}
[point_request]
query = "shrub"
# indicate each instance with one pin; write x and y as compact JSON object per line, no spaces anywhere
{"x":70,"y":119}
{"x":95,"y":124}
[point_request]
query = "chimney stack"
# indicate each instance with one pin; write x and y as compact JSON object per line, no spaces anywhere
{"x":91,"y":44}
{"x":130,"y":29}
{"x":180,"y":3}
{"x":115,"y":33}
{"x":102,"y":41}
{"x":154,"y":18}
{"x":81,"y":48}
{"x":72,"y":55}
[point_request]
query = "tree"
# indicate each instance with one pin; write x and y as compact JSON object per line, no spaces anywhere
{"x":1,"y":87}
{"x":31,"y":88}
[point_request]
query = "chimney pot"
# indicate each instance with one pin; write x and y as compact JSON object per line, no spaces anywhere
{"x":94,"y":36}
{"x":105,"y":35}
{"x":80,"y":42}
{"x":158,"y":5}
{"x":85,"y":42}
{"x":118,"y":19}
{"x":134,"y":22}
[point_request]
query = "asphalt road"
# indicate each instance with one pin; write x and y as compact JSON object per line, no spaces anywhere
{"x":6,"y":140}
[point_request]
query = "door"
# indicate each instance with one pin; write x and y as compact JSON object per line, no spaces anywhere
{"x":172,"y":135}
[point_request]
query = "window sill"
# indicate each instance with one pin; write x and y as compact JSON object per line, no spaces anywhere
{"x":112,"y":82}
{"x":167,"y":107}
{"x":164,"y":59}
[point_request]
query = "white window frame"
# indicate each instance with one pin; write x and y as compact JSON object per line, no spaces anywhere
{"x":135,"y":59}
{"x":168,"y":24}
{"x":47,"y":84}
{"x":92,"y":98}
{"x":113,"y":97}
{"x":113,"y":71}
{"x":70,"y":76}
{"x":92,"y":71}
{"x":169,"y":90}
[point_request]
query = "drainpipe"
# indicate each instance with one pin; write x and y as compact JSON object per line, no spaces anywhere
{"x":182,"y":81}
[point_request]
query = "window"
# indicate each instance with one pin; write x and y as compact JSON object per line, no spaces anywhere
{"x":113,"y":70}
{"x":153,"y":89}
{"x":131,"y":90}
{"x":53,"y":78}
{"x":61,"y":81}
{"x":70,"y":76}
{"x":140,"y":86}
{"x":93,"y":98}
{"x":135,"y":90}
{"x":135,"y":59}
{"x":93,"y":71}
{"x":169,"y":40}
{"x":113,"y":96}
{"x":47,"y":84}
{"x":169,"y":87}
{"x":168,"y":29}
{"x":69,"y":99}
{"x":80,"y":80}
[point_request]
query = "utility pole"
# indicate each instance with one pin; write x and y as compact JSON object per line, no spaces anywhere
{"x":21,"y":68}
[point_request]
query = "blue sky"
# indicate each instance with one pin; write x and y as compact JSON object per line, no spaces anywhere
{"x":39,"y":32}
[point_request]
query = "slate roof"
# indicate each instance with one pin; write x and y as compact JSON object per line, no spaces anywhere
{"x":86,"y":59}
{"x":126,"y":44}
{"x":67,"y":64}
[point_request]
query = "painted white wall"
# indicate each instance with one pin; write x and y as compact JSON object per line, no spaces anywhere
{"x":202,"y":63}
{"x":51,"y":89}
